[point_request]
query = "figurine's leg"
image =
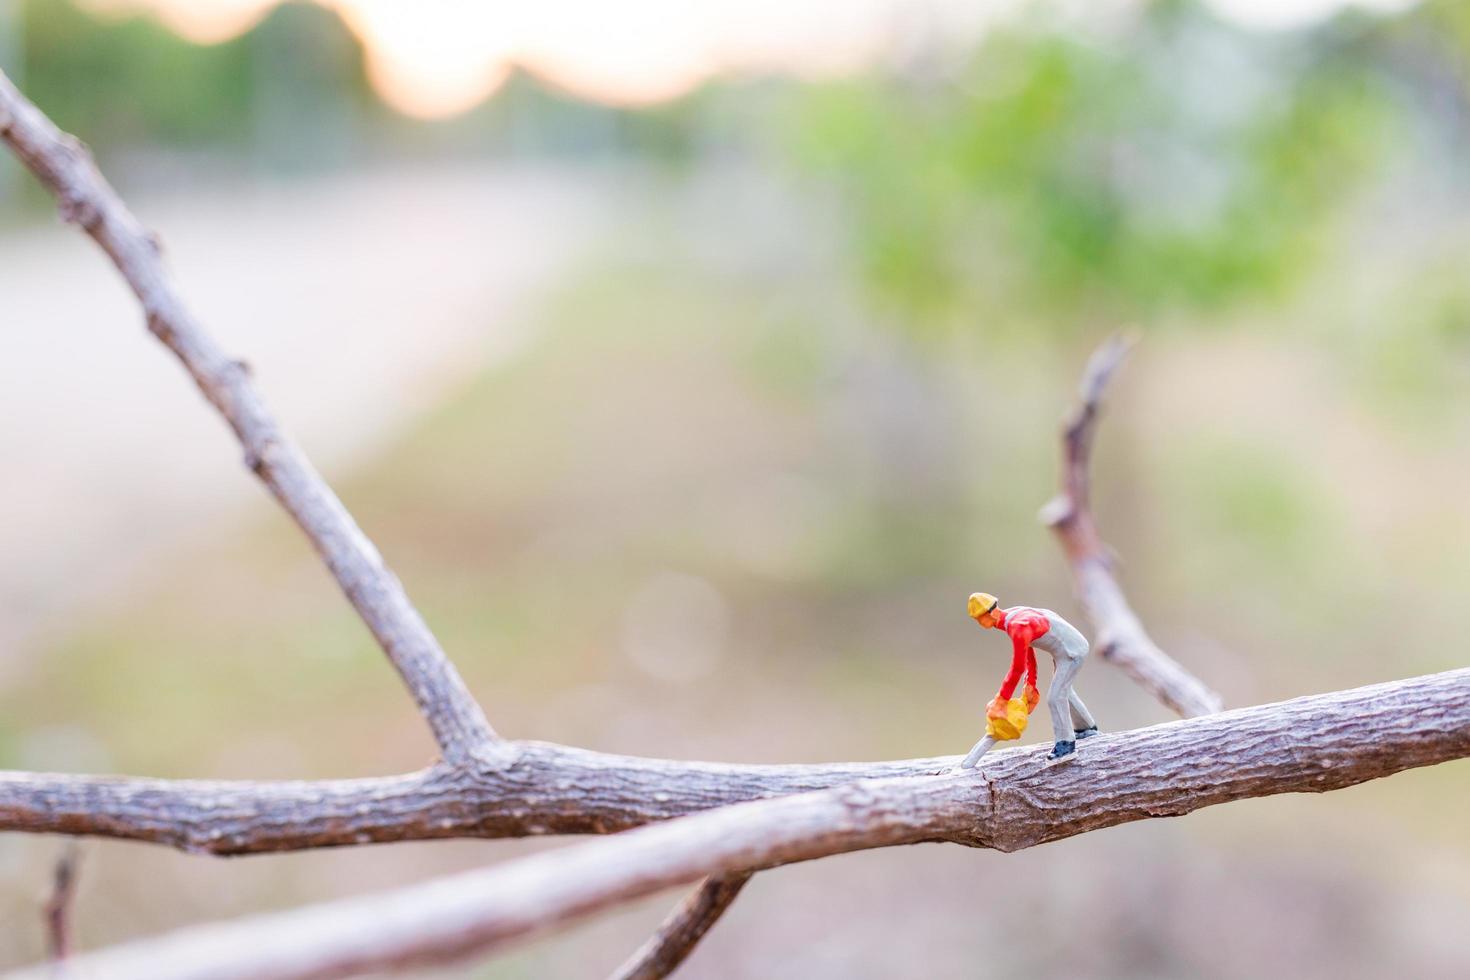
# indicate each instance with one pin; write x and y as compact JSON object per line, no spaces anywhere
{"x":1060,"y":698}
{"x":981,"y":747}
{"x":1082,"y":719}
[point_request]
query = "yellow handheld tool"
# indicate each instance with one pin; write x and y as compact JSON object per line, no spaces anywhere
{"x":1012,"y":725}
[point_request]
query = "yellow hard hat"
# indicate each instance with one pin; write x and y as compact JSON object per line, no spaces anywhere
{"x":981,"y":603}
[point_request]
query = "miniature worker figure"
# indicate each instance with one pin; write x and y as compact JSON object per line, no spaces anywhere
{"x":1032,"y":629}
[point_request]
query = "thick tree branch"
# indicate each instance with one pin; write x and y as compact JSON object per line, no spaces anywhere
{"x":1310,"y":744}
{"x":548,"y":789}
{"x":683,"y":929}
{"x":85,"y":198}
{"x":1119,"y":635}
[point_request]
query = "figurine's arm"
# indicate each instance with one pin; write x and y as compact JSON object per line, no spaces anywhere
{"x":1020,"y":651}
{"x":1032,"y":695}
{"x":1023,"y":628}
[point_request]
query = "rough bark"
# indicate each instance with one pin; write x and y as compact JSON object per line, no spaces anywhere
{"x":1310,"y":744}
{"x":85,"y":198}
{"x":677,"y":935}
{"x":547,"y":789}
{"x":1119,"y":636}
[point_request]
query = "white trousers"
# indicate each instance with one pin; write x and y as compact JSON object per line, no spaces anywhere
{"x":1068,"y":714}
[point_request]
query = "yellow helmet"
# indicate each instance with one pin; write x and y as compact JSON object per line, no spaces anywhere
{"x":981,"y":603}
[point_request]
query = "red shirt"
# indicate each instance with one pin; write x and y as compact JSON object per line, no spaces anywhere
{"x":1024,"y":625}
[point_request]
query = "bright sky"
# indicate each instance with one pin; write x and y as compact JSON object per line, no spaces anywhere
{"x":439,"y":57}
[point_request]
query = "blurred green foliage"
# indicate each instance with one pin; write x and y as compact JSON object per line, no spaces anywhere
{"x":132,"y":80}
{"x":293,"y":90}
{"x":1056,"y":176}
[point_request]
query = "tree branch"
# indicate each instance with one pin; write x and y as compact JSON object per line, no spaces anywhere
{"x":1120,"y":635}
{"x":677,"y":935}
{"x":1310,"y":744}
{"x":85,"y":198}
{"x":549,"y":789}
{"x":57,"y":910}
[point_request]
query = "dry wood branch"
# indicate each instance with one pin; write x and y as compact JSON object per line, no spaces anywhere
{"x":548,"y":789}
{"x":58,"y":908}
{"x":85,"y":198}
{"x":1119,"y":635}
{"x":683,"y":929}
{"x":1310,"y":744}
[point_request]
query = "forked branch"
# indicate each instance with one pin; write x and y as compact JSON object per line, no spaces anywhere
{"x":1310,"y":744}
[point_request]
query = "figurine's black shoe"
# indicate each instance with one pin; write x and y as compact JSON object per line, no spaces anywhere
{"x":1061,"y":750}
{"x":1087,"y":733}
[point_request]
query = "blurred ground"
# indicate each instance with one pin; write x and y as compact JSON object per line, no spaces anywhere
{"x":707,"y":508}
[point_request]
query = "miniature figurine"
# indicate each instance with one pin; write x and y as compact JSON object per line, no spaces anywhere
{"x":1006,"y":715}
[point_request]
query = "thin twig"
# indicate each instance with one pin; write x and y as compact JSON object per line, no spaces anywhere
{"x":1311,"y":744}
{"x":1120,"y":636}
{"x":58,"y":908}
{"x":85,"y":198}
{"x":677,"y":935}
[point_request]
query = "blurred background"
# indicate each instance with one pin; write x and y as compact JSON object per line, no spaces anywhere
{"x":691,"y":364}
